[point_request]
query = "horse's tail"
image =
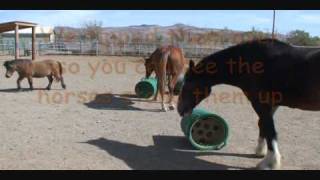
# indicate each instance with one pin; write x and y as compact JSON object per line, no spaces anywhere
{"x":58,"y":77}
{"x":60,"y":69}
{"x":163,"y":63}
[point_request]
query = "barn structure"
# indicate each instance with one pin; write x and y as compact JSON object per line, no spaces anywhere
{"x":16,"y":26}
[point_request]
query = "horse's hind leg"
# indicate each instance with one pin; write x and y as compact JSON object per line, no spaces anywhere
{"x":155,"y":98}
{"x":162,"y":91}
{"x":63,"y":85}
{"x":50,"y":79}
{"x":273,"y":157}
{"x":30,"y":82}
{"x":172,"y":82}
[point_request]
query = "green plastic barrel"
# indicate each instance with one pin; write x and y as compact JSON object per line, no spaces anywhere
{"x":146,"y":87}
{"x":205,"y":131}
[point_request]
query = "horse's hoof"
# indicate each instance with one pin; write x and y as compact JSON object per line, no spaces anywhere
{"x":261,"y":150}
{"x":172,"y":107}
{"x":260,"y":154}
{"x":48,"y":88}
{"x":64,"y":86}
{"x":270,"y":162}
{"x":165,"y":109}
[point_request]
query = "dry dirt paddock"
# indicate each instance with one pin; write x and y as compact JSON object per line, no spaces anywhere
{"x":97,"y":123}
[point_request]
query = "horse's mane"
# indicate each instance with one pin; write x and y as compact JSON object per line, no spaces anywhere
{"x":265,"y":41}
{"x":252,"y":44}
{"x":16,"y":61}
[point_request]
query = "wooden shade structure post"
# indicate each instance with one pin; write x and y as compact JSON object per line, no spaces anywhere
{"x":17,"y":52}
{"x":16,"y":26}
{"x":33,"y":43}
{"x":274,"y":19}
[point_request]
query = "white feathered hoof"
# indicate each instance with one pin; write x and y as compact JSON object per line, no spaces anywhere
{"x":261,"y":150}
{"x":270,"y":162}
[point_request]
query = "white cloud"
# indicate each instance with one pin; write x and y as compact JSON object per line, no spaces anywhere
{"x":310,"y":18}
{"x":260,"y":20}
{"x":58,"y":17}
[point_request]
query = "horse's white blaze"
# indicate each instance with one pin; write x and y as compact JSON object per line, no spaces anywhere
{"x":272,"y":159}
{"x":261,"y":149}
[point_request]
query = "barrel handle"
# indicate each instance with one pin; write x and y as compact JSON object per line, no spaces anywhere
{"x":221,"y":146}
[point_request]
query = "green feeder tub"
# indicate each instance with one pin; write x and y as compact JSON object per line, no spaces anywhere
{"x":205,"y":131}
{"x":146,"y":87}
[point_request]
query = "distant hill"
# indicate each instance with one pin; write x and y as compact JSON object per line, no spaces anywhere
{"x":176,"y":33}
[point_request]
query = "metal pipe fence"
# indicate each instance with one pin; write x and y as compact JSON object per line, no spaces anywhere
{"x":96,"y":48}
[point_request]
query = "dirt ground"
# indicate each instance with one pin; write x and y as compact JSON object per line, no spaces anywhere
{"x":97,"y":123}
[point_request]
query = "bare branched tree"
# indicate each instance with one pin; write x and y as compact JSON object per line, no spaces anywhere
{"x":59,"y":33}
{"x":93,"y":29}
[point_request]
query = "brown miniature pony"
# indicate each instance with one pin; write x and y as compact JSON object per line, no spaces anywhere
{"x":29,"y":69}
{"x":169,"y":63}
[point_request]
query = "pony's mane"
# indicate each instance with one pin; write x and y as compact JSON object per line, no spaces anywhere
{"x":15,"y":61}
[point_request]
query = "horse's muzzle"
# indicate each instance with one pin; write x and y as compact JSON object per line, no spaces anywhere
{"x":8,"y":74}
{"x":184,"y":112}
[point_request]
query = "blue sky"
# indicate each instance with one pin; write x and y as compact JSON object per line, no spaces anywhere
{"x":233,"y":19}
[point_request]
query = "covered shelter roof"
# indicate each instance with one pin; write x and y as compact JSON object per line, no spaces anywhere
{"x":10,"y":26}
{"x":16,"y":26}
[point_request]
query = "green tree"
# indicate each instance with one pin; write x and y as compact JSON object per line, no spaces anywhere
{"x":302,"y":38}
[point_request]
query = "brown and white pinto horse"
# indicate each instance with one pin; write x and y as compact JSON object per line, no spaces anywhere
{"x":39,"y":69}
{"x":167,"y":62}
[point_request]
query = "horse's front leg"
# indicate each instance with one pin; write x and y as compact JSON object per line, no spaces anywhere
{"x":261,"y":149}
{"x":50,"y":79}
{"x":20,"y":78}
{"x":30,"y":82}
{"x":272,"y":159}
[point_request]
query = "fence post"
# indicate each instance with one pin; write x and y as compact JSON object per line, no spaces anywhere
{"x":112,"y":49}
{"x":97,"y":48}
{"x":124,"y":48}
{"x":39,"y":49}
{"x":139,"y":49}
{"x":197,"y":51}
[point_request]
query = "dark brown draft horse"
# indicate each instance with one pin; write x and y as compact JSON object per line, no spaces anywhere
{"x":29,"y":69}
{"x":169,"y":63}
{"x":290,"y":73}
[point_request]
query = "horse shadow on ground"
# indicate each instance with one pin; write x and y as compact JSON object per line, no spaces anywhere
{"x":15,"y":90}
{"x":167,"y":153}
{"x":115,"y":102}
{"x":135,"y":98}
